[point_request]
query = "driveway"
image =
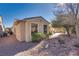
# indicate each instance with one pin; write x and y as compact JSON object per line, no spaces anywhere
{"x":10,"y":46}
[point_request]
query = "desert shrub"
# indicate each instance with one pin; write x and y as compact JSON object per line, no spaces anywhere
{"x":38,"y":36}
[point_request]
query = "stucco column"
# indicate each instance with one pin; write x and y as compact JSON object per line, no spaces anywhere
{"x":47,"y":28}
{"x":28,"y":32}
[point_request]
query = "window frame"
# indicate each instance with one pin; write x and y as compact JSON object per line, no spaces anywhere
{"x":36,"y":30}
{"x":45,"y":29}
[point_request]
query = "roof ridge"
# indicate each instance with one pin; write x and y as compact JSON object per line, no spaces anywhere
{"x":32,"y":17}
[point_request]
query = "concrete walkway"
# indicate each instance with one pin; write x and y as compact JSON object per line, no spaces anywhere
{"x":56,"y":35}
{"x":10,"y":46}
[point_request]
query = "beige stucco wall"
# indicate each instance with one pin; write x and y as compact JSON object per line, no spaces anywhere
{"x":27,"y":31}
{"x":17,"y":32}
{"x":22,"y":30}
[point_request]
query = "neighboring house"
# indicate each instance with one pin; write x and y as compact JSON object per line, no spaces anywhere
{"x":1,"y":25}
{"x":23,"y":29}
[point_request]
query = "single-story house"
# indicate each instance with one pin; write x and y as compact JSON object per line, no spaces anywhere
{"x":24,"y":28}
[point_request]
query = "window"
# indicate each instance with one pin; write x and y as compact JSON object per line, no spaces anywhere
{"x":45,"y":29}
{"x":34,"y":28}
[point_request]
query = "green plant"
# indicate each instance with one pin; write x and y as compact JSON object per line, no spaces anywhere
{"x":49,"y":33}
{"x":38,"y":36}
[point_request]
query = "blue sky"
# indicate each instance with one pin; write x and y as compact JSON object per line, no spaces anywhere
{"x":10,"y":11}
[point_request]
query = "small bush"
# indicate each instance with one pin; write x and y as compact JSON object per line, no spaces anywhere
{"x":49,"y":33}
{"x":38,"y":36}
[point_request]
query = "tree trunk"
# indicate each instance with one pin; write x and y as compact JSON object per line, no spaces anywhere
{"x":67,"y":29}
{"x":77,"y":31}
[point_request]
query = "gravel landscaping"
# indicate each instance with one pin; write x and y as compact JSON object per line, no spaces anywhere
{"x":58,"y":46}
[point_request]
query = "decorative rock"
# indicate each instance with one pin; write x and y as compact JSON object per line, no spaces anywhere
{"x":47,"y":45}
{"x":54,"y":48}
{"x":73,"y":53}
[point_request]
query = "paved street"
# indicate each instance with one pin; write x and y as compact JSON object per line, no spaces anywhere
{"x":10,"y":46}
